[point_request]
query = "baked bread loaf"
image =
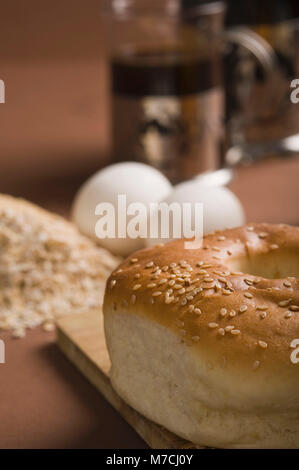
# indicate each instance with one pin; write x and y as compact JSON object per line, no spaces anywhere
{"x":200,"y":341}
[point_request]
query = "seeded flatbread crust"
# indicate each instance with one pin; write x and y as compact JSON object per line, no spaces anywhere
{"x":200,"y":340}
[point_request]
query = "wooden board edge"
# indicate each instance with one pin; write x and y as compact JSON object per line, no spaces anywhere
{"x":153,"y":434}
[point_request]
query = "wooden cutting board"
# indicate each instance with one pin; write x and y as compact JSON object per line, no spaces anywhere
{"x":81,"y":338}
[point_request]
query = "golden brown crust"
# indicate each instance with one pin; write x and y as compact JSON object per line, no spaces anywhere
{"x":246,"y":319}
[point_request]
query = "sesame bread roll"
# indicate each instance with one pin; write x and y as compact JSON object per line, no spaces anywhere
{"x":201,"y":341}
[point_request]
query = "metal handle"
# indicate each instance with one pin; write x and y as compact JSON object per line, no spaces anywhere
{"x":255,"y":44}
{"x":246,"y":153}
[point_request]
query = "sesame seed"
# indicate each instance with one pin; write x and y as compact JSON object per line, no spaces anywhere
{"x":189,"y":297}
{"x":219,"y":273}
{"x":137,"y":276}
{"x":162,"y":281}
{"x":232,"y":313}
{"x":274,"y":246}
{"x":136,"y":287}
{"x":261,"y":307}
{"x":156,"y":293}
{"x":223,"y":312}
{"x":243,"y":308}
{"x":202,"y":271}
{"x":165,"y":268}
{"x":263,"y":315}
{"x":184,"y":301}
{"x":195,"y":338}
{"x":221,"y":238}
{"x":256,"y":365}
{"x":191,"y":308}
{"x":284,"y":303}
{"x":112,"y":283}
{"x":226,"y":292}
{"x":248,"y":295}
{"x":294,"y":308}
{"x":263,"y":235}
{"x":250,"y":228}
{"x":168,"y":299}
{"x":133,"y":299}
{"x":149,"y":265}
{"x":197,"y":311}
{"x":229,"y":328}
{"x":190,"y":289}
{"x":199,"y":264}
{"x":197,"y":290}
{"x":119,"y":271}
{"x":287,"y":284}
{"x":152,"y":284}
{"x":235,"y":332}
{"x":216,"y":248}
{"x":249,"y":282}
{"x":172,"y":265}
{"x":182,"y":291}
{"x":288,"y":315}
{"x":134,"y":260}
{"x":263,"y":344}
{"x":213,"y":325}
{"x":221,"y":331}
{"x":177,"y":286}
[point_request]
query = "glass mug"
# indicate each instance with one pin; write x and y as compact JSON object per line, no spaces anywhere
{"x":167,"y":76}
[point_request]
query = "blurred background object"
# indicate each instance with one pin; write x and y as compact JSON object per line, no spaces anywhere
{"x":259,"y":106}
{"x":56,"y":123}
{"x":54,"y":128}
{"x":167,"y":84}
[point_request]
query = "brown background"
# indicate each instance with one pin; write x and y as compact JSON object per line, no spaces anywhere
{"x":54,"y":132}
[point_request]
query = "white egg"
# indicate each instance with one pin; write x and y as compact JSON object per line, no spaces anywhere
{"x":221,"y":208}
{"x":139,"y":182}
